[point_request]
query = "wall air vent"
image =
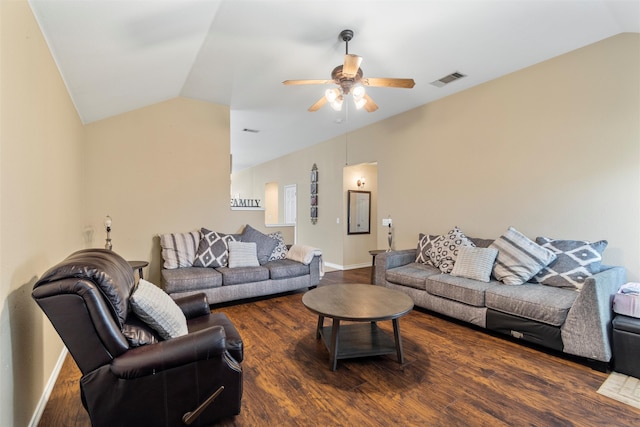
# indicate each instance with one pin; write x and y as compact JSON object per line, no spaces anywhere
{"x":448,"y":79}
{"x":250,"y":130}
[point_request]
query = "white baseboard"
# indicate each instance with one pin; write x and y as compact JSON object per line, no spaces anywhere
{"x":35,"y":419}
{"x":346,"y":267}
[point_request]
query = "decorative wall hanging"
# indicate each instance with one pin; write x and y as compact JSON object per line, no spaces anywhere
{"x":314,"y":194}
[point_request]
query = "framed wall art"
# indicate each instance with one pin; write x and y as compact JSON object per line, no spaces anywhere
{"x":314,"y":194}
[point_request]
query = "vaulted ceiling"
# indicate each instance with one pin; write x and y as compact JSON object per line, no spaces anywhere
{"x":116,"y":56}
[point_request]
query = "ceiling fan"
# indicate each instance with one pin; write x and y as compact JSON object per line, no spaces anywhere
{"x":349,"y":79}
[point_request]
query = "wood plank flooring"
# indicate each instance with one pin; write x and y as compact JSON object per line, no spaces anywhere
{"x":453,"y":375}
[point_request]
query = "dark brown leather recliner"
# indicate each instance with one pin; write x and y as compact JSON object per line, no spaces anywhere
{"x":130,"y":376}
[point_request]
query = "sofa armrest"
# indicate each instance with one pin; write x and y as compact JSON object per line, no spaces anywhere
{"x":587,"y":329}
{"x":195,"y":305}
{"x":153,"y":358}
{"x":392,"y":259}
{"x":314,"y":270}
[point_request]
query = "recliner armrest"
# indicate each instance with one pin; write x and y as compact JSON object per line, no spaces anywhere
{"x":194,"y":305}
{"x":150,"y":359}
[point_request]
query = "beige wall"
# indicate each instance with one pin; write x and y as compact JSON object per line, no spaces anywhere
{"x":161,"y":169}
{"x":41,"y":205}
{"x":553,"y":149}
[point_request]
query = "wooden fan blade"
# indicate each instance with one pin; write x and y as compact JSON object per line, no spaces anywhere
{"x":389,"y":82}
{"x":318,"y":105}
{"x":306,"y":82}
{"x":370,"y":106}
{"x":351,"y":65}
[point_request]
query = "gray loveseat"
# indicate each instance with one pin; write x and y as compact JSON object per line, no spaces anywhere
{"x":200,"y":262}
{"x":574,"y":322}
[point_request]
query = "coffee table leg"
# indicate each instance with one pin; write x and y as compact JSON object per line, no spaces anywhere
{"x":396,"y":334}
{"x":319,"y":327}
{"x":333,"y":351}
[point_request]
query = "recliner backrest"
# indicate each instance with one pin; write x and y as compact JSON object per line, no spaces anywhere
{"x":86,"y":297}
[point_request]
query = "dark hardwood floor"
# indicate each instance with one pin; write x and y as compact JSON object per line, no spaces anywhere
{"x":453,"y":375}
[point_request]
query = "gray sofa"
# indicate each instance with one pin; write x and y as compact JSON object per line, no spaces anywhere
{"x":203,"y":262}
{"x":576,"y":323}
{"x":228,"y":284}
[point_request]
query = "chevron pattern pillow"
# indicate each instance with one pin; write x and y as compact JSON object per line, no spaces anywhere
{"x":575,"y":261}
{"x":213,"y":250}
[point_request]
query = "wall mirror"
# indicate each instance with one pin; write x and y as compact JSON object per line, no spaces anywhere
{"x":359,"y":212}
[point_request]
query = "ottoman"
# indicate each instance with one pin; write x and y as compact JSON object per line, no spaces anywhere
{"x":626,"y":345}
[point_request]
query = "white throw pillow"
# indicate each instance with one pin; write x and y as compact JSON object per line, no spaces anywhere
{"x":243,"y":254}
{"x":156,"y":308}
{"x":474,"y":263}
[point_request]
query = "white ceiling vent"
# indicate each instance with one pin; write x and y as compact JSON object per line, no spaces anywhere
{"x":448,"y":79}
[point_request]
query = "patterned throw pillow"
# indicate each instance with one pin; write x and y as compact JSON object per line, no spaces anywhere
{"x":179,"y":250}
{"x":213,"y":250}
{"x":280,"y":251}
{"x":444,"y":250}
{"x":519,"y":258}
{"x":575,"y":261}
{"x":242,"y":254}
{"x":474,"y":263}
{"x":156,"y":308}
{"x":425,"y":243}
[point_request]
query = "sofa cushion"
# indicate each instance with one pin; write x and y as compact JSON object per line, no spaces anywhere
{"x":444,"y":250}
{"x":575,"y":261}
{"x":467,"y":291}
{"x":156,"y":308}
{"x":179,"y":249}
{"x":474,"y":263}
{"x":242,"y":254}
{"x":280,"y":251}
{"x":265,"y":244}
{"x":213,"y":250}
{"x":519,"y":258}
{"x":425,"y":241}
{"x":236,"y":276}
{"x":532,"y":301}
{"x":285,"y":268}
{"x":190,"y":279}
{"x":412,"y":274}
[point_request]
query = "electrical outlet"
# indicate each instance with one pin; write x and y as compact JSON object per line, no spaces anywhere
{"x":337,"y":220}
{"x":386,"y":222}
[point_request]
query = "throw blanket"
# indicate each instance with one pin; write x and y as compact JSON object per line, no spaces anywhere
{"x":305,"y":254}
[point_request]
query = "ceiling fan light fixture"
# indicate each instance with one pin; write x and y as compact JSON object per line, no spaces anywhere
{"x":359,"y":102}
{"x":332,"y":94}
{"x":358,"y":92}
{"x":336,"y":104}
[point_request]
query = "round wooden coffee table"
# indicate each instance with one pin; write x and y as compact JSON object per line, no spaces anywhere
{"x":358,"y":303}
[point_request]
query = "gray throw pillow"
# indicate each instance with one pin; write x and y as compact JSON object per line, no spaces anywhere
{"x":425,"y":243}
{"x":519,"y":258}
{"x":575,"y":261}
{"x":264,"y":244}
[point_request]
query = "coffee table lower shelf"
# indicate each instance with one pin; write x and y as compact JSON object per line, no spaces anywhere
{"x":358,"y":340}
